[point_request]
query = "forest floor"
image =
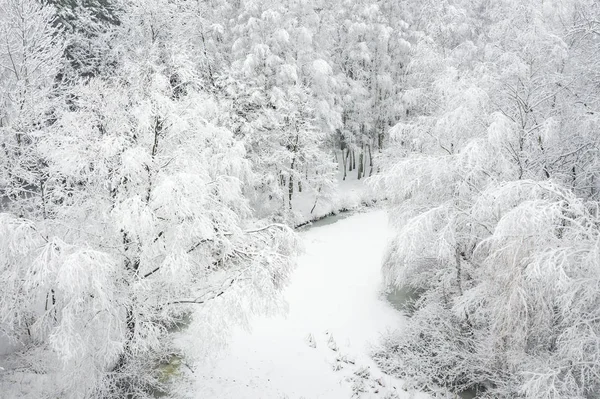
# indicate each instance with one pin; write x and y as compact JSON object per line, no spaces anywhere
{"x":320,"y":349}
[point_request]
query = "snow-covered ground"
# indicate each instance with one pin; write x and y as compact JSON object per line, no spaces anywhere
{"x":321,"y":348}
{"x":349,"y":194}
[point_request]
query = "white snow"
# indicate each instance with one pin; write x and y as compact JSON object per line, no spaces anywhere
{"x":350,"y":194}
{"x":335,"y":312}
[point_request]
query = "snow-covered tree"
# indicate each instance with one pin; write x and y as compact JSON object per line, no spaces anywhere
{"x":274,"y":109}
{"x":144,"y":224}
{"x":88,"y":26}
{"x":30,"y":62}
{"x":370,"y":51}
{"x":493,"y":179}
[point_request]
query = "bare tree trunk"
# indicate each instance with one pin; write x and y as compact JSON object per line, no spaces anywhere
{"x":370,"y":161}
{"x":130,"y":331}
{"x":291,"y":189}
{"x":361,"y":164}
{"x":132,"y":265}
{"x":458,"y":270}
{"x":344,"y":162}
{"x":349,"y":157}
{"x":291,"y":182}
{"x":281,"y":178}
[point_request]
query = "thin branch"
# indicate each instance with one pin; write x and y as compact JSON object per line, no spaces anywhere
{"x":199,"y":301}
{"x":281,"y":226}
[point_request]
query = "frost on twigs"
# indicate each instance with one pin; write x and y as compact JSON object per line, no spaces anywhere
{"x":496,"y":206}
{"x":134,"y":220}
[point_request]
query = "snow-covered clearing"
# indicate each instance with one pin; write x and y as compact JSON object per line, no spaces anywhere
{"x":321,"y":348}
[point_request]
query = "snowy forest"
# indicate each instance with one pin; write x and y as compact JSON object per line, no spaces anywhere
{"x":159,"y":157}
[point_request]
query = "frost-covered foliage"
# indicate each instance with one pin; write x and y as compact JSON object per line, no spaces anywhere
{"x":123,"y":210}
{"x":306,"y":77}
{"x":372,"y":51}
{"x":88,"y":26}
{"x":494,"y":182}
{"x":30,"y":59}
{"x":278,"y":93}
{"x":150,"y":149}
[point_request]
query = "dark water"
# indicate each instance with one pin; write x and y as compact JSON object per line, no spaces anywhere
{"x":327,"y":220}
{"x":470,"y":394}
{"x":402,"y":299}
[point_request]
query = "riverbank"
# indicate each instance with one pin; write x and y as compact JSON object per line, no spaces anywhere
{"x":350,"y":194}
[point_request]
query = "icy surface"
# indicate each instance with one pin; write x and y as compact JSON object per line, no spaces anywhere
{"x":321,"y":348}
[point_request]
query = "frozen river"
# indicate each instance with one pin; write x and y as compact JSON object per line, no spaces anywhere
{"x":320,"y":349}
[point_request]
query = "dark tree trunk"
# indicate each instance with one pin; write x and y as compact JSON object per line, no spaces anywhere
{"x":370,"y":161}
{"x":291,"y":190}
{"x":361,"y":164}
{"x":344,"y":162}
